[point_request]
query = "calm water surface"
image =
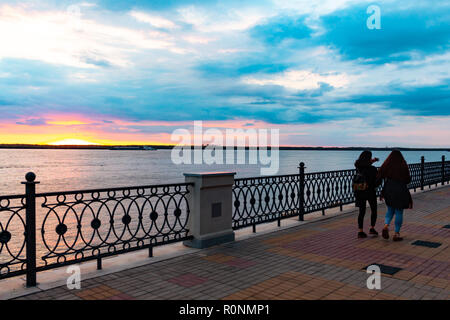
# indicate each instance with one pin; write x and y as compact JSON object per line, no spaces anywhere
{"x":60,"y":170}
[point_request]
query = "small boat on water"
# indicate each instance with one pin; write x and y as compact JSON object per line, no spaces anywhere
{"x":147,"y":148}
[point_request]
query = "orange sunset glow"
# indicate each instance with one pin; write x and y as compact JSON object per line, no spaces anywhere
{"x":72,"y":142}
{"x":76,"y":129}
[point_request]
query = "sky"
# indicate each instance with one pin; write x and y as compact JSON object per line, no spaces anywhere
{"x":132,"y":72}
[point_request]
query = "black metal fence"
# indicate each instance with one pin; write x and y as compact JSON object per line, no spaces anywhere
{"x":83,"y":225}
{"x":264,"y":199}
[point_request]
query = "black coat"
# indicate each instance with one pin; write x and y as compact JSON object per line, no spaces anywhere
{"x":370,"y":173}
{"x":396,"y":194}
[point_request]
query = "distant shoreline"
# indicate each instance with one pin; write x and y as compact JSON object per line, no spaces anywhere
{"x":100,"y":147}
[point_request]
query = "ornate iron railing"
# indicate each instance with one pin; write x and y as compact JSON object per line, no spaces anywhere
{"x":432,"y":173}
{"x":12,"y":235}
{"x":75,"y":226}
{"x":330,"y":189}
{"x":97,"y":223}
{"x":264,"y":199}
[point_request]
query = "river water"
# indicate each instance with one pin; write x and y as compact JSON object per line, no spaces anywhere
{"x":60,"y":170}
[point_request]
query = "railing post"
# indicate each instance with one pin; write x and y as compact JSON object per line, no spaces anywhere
{"x":422,"y":172}
{"x":30,"y":227}
{"x":443,"y":170}
{"x":301,"y":191}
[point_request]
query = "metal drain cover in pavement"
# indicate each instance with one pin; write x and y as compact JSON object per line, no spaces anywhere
{"x":447,"y":226}
{"x":385,"y":269}
{"x":427,"y":244}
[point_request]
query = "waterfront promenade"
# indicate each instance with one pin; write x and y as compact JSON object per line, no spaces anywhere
{"x":315,"y":260}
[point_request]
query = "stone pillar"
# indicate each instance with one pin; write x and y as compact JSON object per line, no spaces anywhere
{"x":210,"y":203}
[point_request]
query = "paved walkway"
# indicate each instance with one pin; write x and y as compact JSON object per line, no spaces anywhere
{"x":319,"y":260}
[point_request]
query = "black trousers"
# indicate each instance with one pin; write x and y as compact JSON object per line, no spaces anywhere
{"x":362,"y":211}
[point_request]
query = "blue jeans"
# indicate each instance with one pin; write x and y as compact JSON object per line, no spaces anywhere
{"x":398,"y":217}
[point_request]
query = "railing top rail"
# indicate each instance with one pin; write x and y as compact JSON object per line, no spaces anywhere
{"x":49,"y":194}
{"x":323,"y":172}
{"x":330,"y":171}
{"x":435,"y":162}
{"x":13,"y":196}
{"x":266,"y":177}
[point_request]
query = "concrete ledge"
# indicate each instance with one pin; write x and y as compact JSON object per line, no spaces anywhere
{"x":209,"y":242}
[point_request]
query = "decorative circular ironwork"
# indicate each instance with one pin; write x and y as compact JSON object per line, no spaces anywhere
{"x":120,"y":213}
{"x":126,"y":219}
{"x":154,"y":215}
{"x":5,"y":236}
{"x":96,"y":223}
{"x":4,"y":203}
{"x":61,"y":229}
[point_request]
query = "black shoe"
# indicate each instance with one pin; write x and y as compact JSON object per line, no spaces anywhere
{"x":372,"y":231}
{"x":362,"y":235}
{"x":397,"y":238}
{"x":385,"y":233}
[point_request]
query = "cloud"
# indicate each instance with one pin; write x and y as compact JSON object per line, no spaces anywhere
{"x":300,"y":80}
{"x":432,"y":100}
{"x":239,"y":67}
{"x":33,"y":122}
{"x":314,"y":69}
{"x":404,"y":33}
{"x":281,"y":28}
{"x":58,"y":37}
{"x":223,"y":19}
{"x":154,"y":20}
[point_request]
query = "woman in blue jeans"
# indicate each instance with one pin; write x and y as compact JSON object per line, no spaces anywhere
{"x":395,"y":173}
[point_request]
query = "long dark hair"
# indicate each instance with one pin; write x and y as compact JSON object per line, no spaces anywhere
{"x":395,"y":168}
{"x":364,"y":159}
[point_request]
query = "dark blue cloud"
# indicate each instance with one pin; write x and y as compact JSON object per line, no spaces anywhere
{"x":240,"y":67}
{"x":418,"y":29}
{"x":4,"y":102}
{"x":96,"y":61}
{"x":423,"y":101}
{"x":281,"y":28}
{"x":33,"y":122}
{"x":23,"y":72}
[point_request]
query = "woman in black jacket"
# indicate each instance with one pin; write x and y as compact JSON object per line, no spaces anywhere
{"x":365,"y":168}
{"x":395,"y":173}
